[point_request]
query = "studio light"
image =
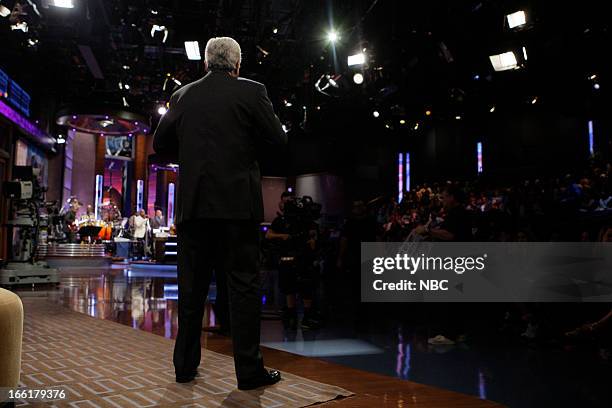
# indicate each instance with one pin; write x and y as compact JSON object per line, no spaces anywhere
{"x":333,"y":36}
{"x":358,"y":78}
{"x":596,"y":86}
{"x":156,"y":28}
{"x":376,"y":114}
{"x":504,"y":62}
{"x":161,"y":110}
{"x":516,"y":19}
{"x":22,"y":26}
{"x":192,"y":48}
{"x":63,"y":3}
{"x":357,"y":59}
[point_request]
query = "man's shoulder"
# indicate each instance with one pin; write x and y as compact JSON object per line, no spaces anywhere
{"x":250,"y":83}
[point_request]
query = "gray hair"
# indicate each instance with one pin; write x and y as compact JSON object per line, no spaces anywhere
{"x":222,"y":53}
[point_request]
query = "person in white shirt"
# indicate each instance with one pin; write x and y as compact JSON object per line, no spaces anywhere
{"x":140,"y":225}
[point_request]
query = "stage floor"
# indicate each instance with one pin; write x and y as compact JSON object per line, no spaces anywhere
{"x":386,"y":365}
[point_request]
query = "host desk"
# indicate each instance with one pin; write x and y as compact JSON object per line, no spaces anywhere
{"x":165,"y":249}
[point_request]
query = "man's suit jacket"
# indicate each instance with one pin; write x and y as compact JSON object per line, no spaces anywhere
{"x":214,"y":124}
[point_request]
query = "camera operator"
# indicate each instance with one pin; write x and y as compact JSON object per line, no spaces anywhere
{"x":294,"y":234}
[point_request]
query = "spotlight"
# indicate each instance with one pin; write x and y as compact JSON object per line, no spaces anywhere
{"x":32,"y":42}
{"x":516,"y":19}
{"x":125,"y":102}
{"x":156,"y":28}
{"x":458,"y":117}
{"x":525,"y":53}
{"x":376,"y":113}
{"x":126,"y":67}
{"x":22,"y":26}
{"x":120,"y":85}
{"x":592,"y":77}
{"x":288,"y":104}
{"x":596,"y":86}
{"x":416,"y":126}
{"x":285,"y":128}
{"x":63,"y":3}
{"x":357,"y":59}
{"x":161,"y":110}
{"x":176,"y":81}
{"x":402,"y":122}
{"x":127,"y":86}
{"x":358,"y":78}
{"x":427,"y":113}
{"x":492,"y":109}
{"x":476,"y":77}
{"x":534,"y":100}
{"x":387,"y":126}
{"x":275,"y":31}
{"x":333,"y":36}
{"x":192,"y":48}
{"x":504,"y":62}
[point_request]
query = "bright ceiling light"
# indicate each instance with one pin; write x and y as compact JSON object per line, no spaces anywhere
{"x":357,"y":59}
{"x":333,"y":36}
{"x":192,"y":48}
{"x":275,"y":31}
{"x":458,"y":117}
{"x":63,"y":3}
{"x":376,"y":113}
{"x":358,"y":78}
{"x":402,"y":122}
{"x":4,"y":11}
{"x":504,"y":62}
{"x":516,"y":19}
{"x":161,"y":28}
{"x":161,"y":110}
{"x":23,"y":26}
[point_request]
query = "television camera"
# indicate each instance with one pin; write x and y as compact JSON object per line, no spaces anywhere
{"x":30,"y":220}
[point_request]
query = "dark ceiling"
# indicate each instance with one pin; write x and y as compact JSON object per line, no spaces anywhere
{"x":422,"y":55}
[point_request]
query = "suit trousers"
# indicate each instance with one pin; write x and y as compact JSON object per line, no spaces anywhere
{"x":229,"y":247}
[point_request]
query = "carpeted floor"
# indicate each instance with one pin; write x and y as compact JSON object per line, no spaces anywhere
{"x":105,"y":364}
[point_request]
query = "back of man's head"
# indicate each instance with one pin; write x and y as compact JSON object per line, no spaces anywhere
{"x":222,"y":54}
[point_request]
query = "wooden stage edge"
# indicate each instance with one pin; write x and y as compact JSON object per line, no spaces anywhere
{"x":371,"y":390}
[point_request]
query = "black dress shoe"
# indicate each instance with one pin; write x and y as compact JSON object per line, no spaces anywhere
{"x":185,"y":378}
{"x":267,"y":378}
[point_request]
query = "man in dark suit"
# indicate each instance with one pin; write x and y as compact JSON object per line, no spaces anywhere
{"x":214,"y":125}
